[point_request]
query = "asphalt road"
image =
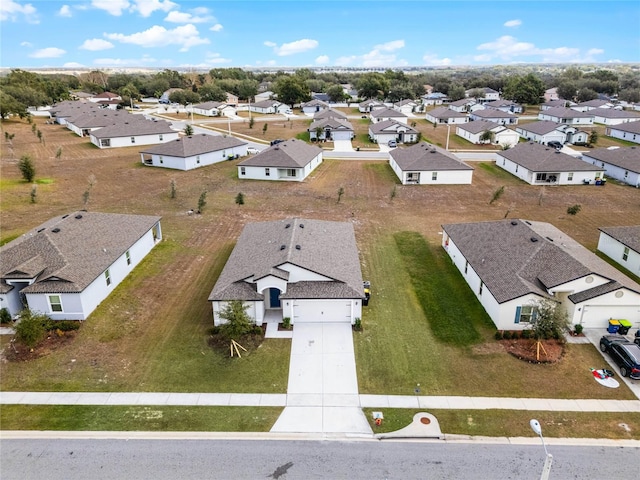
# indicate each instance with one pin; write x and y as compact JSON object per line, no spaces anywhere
{"x":96,"y":459}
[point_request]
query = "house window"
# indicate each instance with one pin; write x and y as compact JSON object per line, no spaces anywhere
{"x":466,"y":266}
{"x":198,"y":159}
{"x":541,"y":177}
{"x":625,"y":254}
{"x":128,"y":257}
{"x":267,"y":172}
{"x":105,"y":142}
{"x":107,"y":277}
{"x":161,"y":160}
{"x":525,"y":314}
{"x":160,"y":137}
{"x":570,"y":176}
{"x":481,"y":288}
{"x":55,"y":303}
{"x":242,"y":171}
{"x":133,"y":139}
{"x":291,"y":172}
{"x":626,"y":174}
{"x":434,"y":176}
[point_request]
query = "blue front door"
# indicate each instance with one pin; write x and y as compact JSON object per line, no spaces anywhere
{"x":274,"y":297}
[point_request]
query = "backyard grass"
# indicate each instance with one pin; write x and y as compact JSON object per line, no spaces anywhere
{"x":138,"y":418}
{"x":515,"y":423}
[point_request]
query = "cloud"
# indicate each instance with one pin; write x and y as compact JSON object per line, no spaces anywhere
{"x":73,"y":65}
{"x":185,"y":17}
{"x":96,"y":44}
{"x":216,"y":28}
{"x":124,"y":62}
{"x":26,"y":44}
{"x":291,"y":48}
{"x":508,"y":48}
{"x":147,"y":7}
{"x":433,"y":60}
{"x":322,"y":60}
{"x":595,"y":51}
{"x":113,"y":7}
{"x":513,"y":23}
{"x":65,"y":11}
{"x":186,"y":36}
{"x":50,"y":52}
{"x":10,"y":10}
{"x":212,"y":59}
{"x":380,"y":56}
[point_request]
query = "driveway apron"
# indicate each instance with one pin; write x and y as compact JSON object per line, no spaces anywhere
{"x":322,"y":394}
{"x":342,"y":146}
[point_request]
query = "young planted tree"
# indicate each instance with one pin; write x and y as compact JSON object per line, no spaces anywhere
{"x":238,"y":322}
{"x":340,"y":194}
{"x":393,"y":193}
{"x":574,"y":209}
{"x":251,"y":122}
{"x":188,"y":130}
{"x":593,"y":138}
{"x":34,"y":193}
{"x":496,"y":195}
{"x":87,"y":193}
{"x":240,"y":198}
{"x":264,"y":128}
{"x":173,"y":188}
{"x":59,"y":153}
{"x":202,"y":201}
{"x":40,"y":137}
{"x":27,"y":168}
{"x":487,"y":136}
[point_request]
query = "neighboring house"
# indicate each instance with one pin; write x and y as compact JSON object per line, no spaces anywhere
{"x":462,"y":106}
{"x":194,"y":151}
{"x":291,"y":268}
{"x":65,"y":267}
{"x":566,"y":115}
{"x":214,"y":109}
{"x":323,"y":97}
{"x":134,"y":132}
{"x":331,"y":129}
{"x":262,"y":96}
{"x":611,"y":116}
{"x":622,"y":245}
{"x":62,"y":111}
{"x":329,"y":113}
{"x":545,"y":131}
{"x":592,"y":105}
{"x":446,"y":116}
{"x":83,"y":124}
{"x":493,"y":115}
{"x":505,"y":106}
{"x":434,"y":98}
{"x":540,"y":165}
{"x":621,"y":163}
{"x":292,"y":160}
{"x":231,"y":100}
{"x":424,"y":164}
{"x":387,"y":130}
{"x":473,"y":131}
{"x":407,"y":107}
{"x":105,"y":97}
{"x":370,"y":105}
{"x":551,"y":94}
{"x":382,"y":114}
{"x":625,"y":131}
{"x":270,"y":107}
{"x":164,"y":98}
{"x":489,"y":94}
{"x":511,"y":265}
{"x":559,"y":103}
{"x":313,"y":106}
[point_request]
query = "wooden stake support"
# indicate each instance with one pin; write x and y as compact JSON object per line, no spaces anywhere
{"x":235,"y":346}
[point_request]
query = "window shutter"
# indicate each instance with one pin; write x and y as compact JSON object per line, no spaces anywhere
{"x":517,"y":320}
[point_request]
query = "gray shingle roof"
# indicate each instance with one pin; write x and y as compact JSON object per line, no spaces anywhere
{"x":613,"y":113}
{"x":628,"y":236}
{"x":462,"y":102}
{"x":560,"y":112}
{"x":210,"y":105}
{"x":190,"y":146}
{"x":132,"y":127}
{"x":492,"y":113}
{"x":445,"y":112}
{"x":387,"y":112}
{"x":328,"y":113}
{"x":259,"y":251}
{"x":560,"y":103}
{"x":623,"y":157}
{"x":267,"y":104}
{"x":501,"y":103}
{"x":289,"y":154}
{"x":515,"y":258}
{"x":315,"y":103}
{"x":332,"y":123}
{"x":426,"y":157}
{"x":629,"y":127}
{"x":540,"y":158}
{"x":390,"y":126}
{"x":68,"y":253}
{"x":592,"y":103}
{"x":539,"y":128}
{"x":478,"y":126}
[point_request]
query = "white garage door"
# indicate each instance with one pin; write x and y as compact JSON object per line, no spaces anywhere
{"x":341,"y":135}
{"x":326,"y":311}
{"x":597,"y":316}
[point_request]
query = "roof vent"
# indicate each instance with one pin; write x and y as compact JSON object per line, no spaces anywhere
{"x":55,"y":230}
{"x":513,"y":222}
{"x":79,"y":216}
{"x":276,"y":148}
{"x":534,"y":239}
{"x":282,"y":247}
{"x":41,"y":230}
{"x":298,"y":247}
{"x":302,"y":225}
{"x":65,"y":216}
{"x":288,"y":225}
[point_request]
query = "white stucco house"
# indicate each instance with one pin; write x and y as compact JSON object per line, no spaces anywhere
{"x":621,"y":163}
{"x":434,"y":98}
{"x":313,"y":106}
{"x":625,"y":131}
{"x":505,"y":106}
{"x":592,"y":105}
{"x":370,"y":105}
{"x":472,"y":131}
{"x":444,"y":115}
{"x":68,"y":265}
{"x":622,"y":245}
{"x":385,"y":131}
{"x":426,"y":164}
{"x":612,"y":116}
{"x":329,"y":113}
{"x":406,"y":106}
{"x":270,"y":107}
{"x":512,"y":264}
{"x":331,"y":129}
{"x":194,"y":151}
{"x":214,"y":109}
{"x":494,"y":115}
{"x":135,"y":131}
{"x":463,"y":105}
{"x":566,"y":115}
{"x":383,"y":114}
{"x":545,"y":131}
{"x":85,"y":123}
{"x":551,"y":94}
{"x":292,"y":161}
{"x":558,"y":103}
{"x":489,"y":94}
{"x":292,"y":268}
{"x":538,"y":164}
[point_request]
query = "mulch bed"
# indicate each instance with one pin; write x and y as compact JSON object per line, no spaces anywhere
{"x":251,"y":342}
{"x":525,"y":349}
{"x":17,"y":352}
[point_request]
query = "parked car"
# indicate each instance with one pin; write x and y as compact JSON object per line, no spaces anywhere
{"x":636,"y":339}
{"x":393,"y":143}
{"x":276,"y":141}
{"x":554,"y":144}
{"x":624,"y":353}
{"x":252,"y":150}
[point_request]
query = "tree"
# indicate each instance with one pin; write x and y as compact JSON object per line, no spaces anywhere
{"x":240,"y":198}
{"x":524,"y":89}
{"x":87,"y":193}
{"x":173,"y":188}
{"x":238,"y":322}
{"x":292,"y":90}
{"x":252,"y":121}
{"x":593,"y":137}
{"x":264,"y":128}
{"x":188,"y":130}
{"x":574,"y":209}
{"x":246,"y":89}
{"x":586,"y":94}
{"x":476,"y":93}
{"x":59,"y":153}
{"x":212,"y":93}
{"x":487,"y":136}
{"x":40,"y":137}
{"x":336,"y":93}
{"x":567,"y":90}
{"x":32,"y":328}
{"x":34,"y":193}
{"x":27,"y":168}
{"x":456,"y":92}
{"x":202,"y":201}
{"x":340,"y":193}
{"x":549,"y":320}
{"x":373,"y":85}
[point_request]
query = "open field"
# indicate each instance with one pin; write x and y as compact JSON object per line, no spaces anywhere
{"x":151,"y":334}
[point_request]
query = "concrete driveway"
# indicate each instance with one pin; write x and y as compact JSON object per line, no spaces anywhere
{"x":322,"y":394}
{"x":342,"y":146}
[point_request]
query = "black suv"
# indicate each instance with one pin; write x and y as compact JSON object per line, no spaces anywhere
{"x":554,"y":144}
{"x":624,"y":353}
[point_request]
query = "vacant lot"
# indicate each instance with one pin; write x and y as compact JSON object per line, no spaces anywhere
{"x":151,"y":334}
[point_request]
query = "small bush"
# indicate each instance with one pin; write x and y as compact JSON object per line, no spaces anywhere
{"x":65,"y":325}
{"x":358,"y":324}
{"x":515,"y":335}
{"x":578,"y":328}
{"x":214,"y":330}
{"x":526,"y":334}
{"x":32,"y":328}
{"x":574,"y":209}
{"x":5,"y":316}
{"x":496,"y":195}
{"x":286,"y":322}
{"x":506,"y":335}
{"x":498,"y":335}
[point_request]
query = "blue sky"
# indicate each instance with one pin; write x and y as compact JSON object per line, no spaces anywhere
{"x":306,"y":33}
